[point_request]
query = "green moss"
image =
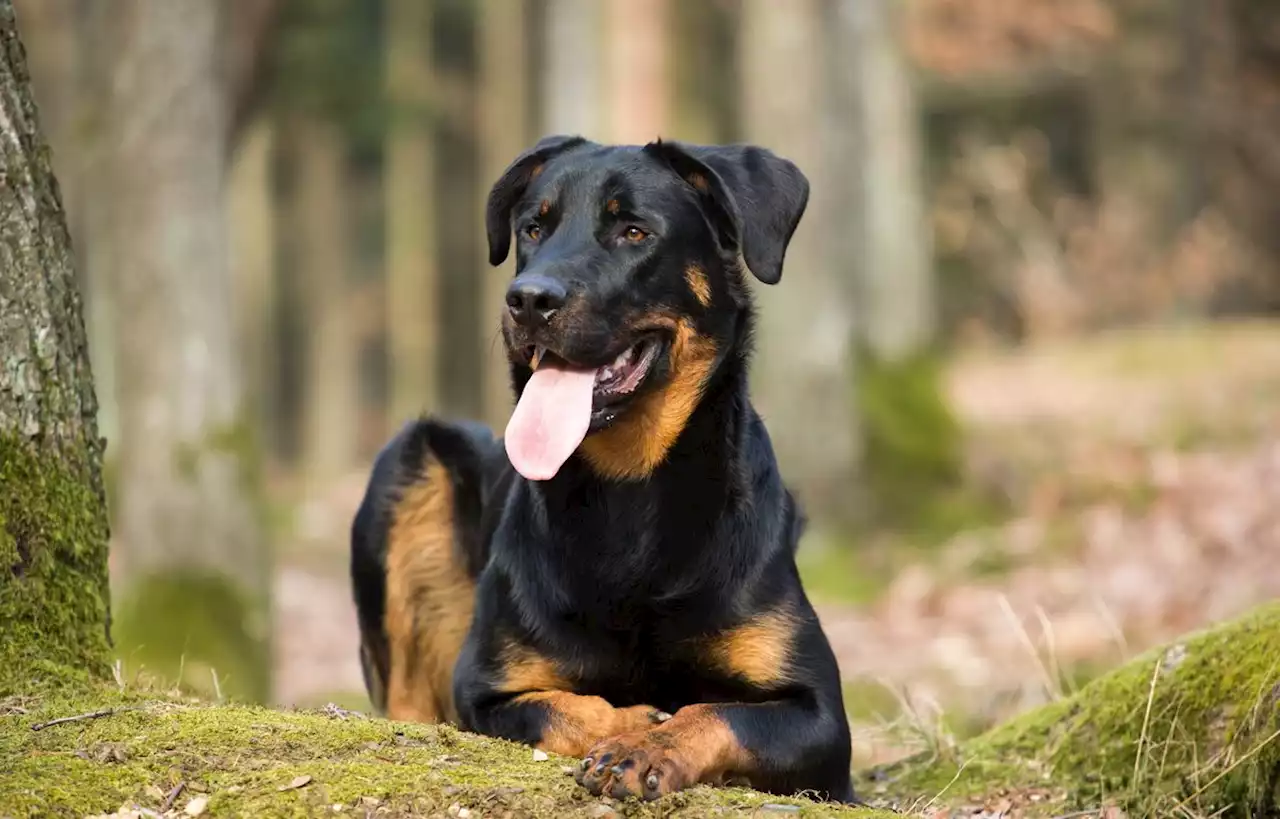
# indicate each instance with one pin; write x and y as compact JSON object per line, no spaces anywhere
{"x":912,"y":442}
{"x":242,"y":757}
{"x":1203,"y":737}
{"x":187,"y":627}
{"x":53,"y":578}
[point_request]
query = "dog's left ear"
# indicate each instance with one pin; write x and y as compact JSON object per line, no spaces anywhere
{"x":511,"y":186}
{"x":753,"y":198}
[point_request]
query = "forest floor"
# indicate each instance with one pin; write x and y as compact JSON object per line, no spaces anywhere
{"x":1139,"y":477}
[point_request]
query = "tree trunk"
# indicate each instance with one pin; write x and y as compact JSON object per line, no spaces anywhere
{"x":188,"y":531}
{"x":53,"y":516}
{"x":806,"y":321}
{"x":637,"y":87}
{"x":331,"y":389}
{"x":879,"y":234}
{"x":413,"y":324}
{"x":502,"y":111}
{"x":572,"y":68}
{"x":893,"y":251}
{"x":252,"y":213}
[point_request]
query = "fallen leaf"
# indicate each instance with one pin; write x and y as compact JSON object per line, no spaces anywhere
{"x":196,"y":806}
{"x":154,"y":792}
{"x":540,"y":755}
{"x":298,"y":782}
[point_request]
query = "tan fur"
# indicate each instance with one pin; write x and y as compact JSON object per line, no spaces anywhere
{"x":544,"y":208}
{"x":575,"y":721}
{"x":698,"y":181}
{"x":699,"y":284}
{"x":694,"y":746}
{"x":429,"y":605}
{"x":612,"y":206}
{"x":638,"y":442}
{"x":759,"y":651}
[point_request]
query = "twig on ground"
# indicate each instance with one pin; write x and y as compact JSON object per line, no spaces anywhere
{"x":1146,"y":724}
{"x":172,"y":796}
{"x":105,"y":712}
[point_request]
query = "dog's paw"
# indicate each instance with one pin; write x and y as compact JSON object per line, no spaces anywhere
{"x":645,"y":764}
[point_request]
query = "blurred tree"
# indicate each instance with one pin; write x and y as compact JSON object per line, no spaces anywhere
{"x":53,"y":517}
{"x":321,"y":225}
{"x":413,"y":279}
{"x":803,"y":381}
{"x":638,"y":82}
{"x":193,"y":571}
{"x":503,"y":111}
{"x":881,"y":234}
{"x":251,"y":209}
{"x":702,"y":58}
{"x":572,"y":68}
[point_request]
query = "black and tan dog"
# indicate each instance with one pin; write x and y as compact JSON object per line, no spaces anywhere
{"x":615,"y":579}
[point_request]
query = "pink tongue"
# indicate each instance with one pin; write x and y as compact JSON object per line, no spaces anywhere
{"x":550,"y":421}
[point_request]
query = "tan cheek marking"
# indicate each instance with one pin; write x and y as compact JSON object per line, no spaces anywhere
{"x":635,"y":446}
{"x":699,"y":284}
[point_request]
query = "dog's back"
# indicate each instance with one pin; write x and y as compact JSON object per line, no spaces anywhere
{"x":417,"y":545}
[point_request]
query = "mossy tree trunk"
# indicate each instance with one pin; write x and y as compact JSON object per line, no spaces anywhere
{"x":53,"y":517}
{"x":190,"y":569}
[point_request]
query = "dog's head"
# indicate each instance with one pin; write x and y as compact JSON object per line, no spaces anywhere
{"x":630,"y":288}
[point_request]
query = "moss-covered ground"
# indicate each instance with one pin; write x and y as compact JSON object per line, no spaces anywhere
{"x":243,"y":759}
{"x":1191,"y":729}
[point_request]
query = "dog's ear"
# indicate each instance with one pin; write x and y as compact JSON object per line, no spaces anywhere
{"x":511,"y":186}
{"x":753,"y":197}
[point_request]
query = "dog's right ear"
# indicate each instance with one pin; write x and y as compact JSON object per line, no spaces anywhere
{"x":511,"y":185}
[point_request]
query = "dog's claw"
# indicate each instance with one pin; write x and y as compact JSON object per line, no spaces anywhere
{"x":651,"y":782}
{"x":660,"y":716}
{"x":617,"y":770}
{"x":586,"y":763}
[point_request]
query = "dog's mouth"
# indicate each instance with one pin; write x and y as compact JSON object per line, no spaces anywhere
{"x":564,"y":401}
{"x":616,"y":381}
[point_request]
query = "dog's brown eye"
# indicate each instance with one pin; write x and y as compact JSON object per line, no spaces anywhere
{"x":533,"y":232}
{"x":635,"y":234}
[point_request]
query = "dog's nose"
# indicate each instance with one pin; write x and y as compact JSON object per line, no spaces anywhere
{"x":533,"y":300}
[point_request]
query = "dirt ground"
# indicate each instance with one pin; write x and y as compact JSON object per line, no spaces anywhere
{"x":1143,"y":470}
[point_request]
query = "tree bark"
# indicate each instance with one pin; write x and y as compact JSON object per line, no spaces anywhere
{"x":189,"y":539}
{"x":502,"y":111}
{"x":413,"y":287}
{"x":805,"y":321}
{"x":330,"y":409}
{"x":252,"y":214}
{"x":879,"y":235}
{"x":890,"y":246}
{"x":638,"y":89}
{"x":572,"y":68}
{"x":53,"y":517}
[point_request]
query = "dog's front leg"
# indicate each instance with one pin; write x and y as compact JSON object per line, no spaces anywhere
{"x":783,"y":746}
{"x":560,"y":722}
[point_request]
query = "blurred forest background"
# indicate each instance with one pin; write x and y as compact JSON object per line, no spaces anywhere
{"x":1023,"y":367}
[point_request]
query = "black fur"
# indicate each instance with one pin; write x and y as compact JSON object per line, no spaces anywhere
{"x":614,"y":579}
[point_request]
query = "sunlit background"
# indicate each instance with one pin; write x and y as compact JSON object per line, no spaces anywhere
{"x":1023,"y":367}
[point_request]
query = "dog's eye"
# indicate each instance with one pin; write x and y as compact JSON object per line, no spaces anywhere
{"x":635,"y":234}
{"x":534,"y":232}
